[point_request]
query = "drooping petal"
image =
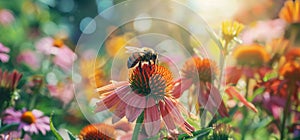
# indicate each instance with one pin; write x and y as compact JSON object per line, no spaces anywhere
{"x":217,"y":99}
{"x":132,"y":112}
{"x":234,"y":92}
{"x":112,"y":86}
{"x":152,"y":120}
{"x":180,"y":86}
{"x":167,"y":116}
{"x":136,"y":100}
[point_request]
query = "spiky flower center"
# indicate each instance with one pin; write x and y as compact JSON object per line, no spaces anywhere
{"x":251,"y":56}
{"x":28,"y":117}
{"x":97,"y":132}
{"x":58,"y":43}
{"x":204,"y":68}
{"x":152,"y":80}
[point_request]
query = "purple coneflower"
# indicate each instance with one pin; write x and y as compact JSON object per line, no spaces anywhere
{"x":30,"y":121}
{"x":149,"y":92}
{"x":64,"y":57}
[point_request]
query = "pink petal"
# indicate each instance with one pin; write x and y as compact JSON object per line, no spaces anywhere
{"x":136,"y":100}
{"x":171,"y":108}
{"x":217,"y":99}
{"x":132,"y":113}
{"x":180,"y":86}
{"x":37,"y":113}
{"x":166,"y":117}
{"x":4,"y":57}
{"x":4,"y":49}
{"x":234,"y":92}
{"x":152,"y":120}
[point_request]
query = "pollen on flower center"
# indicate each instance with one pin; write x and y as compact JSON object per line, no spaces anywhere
{"x":204,"y":68}
{"x":97,"y":132}
{"x":151,"y":80}
{"x":58,"y":43}
{"x":28,"y":117}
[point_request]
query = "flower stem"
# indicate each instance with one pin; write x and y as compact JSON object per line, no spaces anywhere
{"x":137,"y":127}
{"x":245,"y":112}
{"x":286,"y":110}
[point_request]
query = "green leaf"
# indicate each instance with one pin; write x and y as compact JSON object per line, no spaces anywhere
{"x":71,"y":136}
{"x":9,"y":127}
{"x":54,"y":131}
{"x":257,"y":92}
{"x":198,"y":134}
{"x":270,"y":75}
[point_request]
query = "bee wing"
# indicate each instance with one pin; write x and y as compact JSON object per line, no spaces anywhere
{"x":131,"y":49}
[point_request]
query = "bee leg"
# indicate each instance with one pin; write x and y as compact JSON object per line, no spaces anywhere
{"x":140,"y":67}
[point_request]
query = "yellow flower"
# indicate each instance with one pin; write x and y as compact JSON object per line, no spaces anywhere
{"x":231,"y":29}
{"x":291,"y":11}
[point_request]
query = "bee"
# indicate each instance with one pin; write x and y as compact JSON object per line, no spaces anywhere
{"x":140,"y":55}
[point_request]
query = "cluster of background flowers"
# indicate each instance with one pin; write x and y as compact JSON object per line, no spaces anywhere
{"x":248,"y":89}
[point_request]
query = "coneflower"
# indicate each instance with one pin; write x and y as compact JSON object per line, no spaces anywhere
{"x":149,"y":95}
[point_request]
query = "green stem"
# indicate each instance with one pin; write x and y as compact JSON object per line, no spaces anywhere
{"x":223,"y":57}
{"x":245,"y":112}
{"x":33,"y":100}
{"x":286,"y":110}
{"x":137,"y":127}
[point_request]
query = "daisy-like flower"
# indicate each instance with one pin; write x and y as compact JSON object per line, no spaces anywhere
{"x":62,"y":91}
{"x":149,"y":90}
{"x":29,"y":58}
{"x":200,"y":73}
{"x":30,"y":121}
{"x":4,"y":57}
{"x":290,"y":12}
{"x":99,"y":131}
{"x":64,"y":57}
{"x":250,"y":59}
{"x":231,"y":29}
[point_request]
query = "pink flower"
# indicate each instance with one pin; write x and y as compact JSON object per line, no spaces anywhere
{"x":13,"y":135}
{"x":4,"y":57}
{"x":149,"y":90}
{"x":29,"y":58}
{"x":62,"y":91}
{"x":6,"y":17}
{"x":264,"y":31}
{"x":29,"y":121}
{"x":64,"y":57}
{"x":200,"y":73}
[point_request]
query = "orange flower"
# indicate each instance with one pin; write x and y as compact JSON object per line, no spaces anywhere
{"x":205,"y":93}
{"x":204,"y":68}
{"x":291,"y":71}
{"x":293,"y":54}
{"x":251,"y":55}
{"x":98,"y":131}
{"x":291,"y":11}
